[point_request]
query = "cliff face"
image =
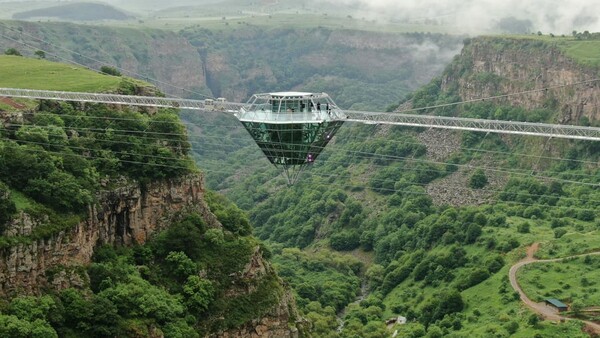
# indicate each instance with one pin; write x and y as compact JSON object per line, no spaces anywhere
{"x":274,"y":325}
{"x":493,"y":66}
{"x":281,"y":321}
{"x":123,"y":216}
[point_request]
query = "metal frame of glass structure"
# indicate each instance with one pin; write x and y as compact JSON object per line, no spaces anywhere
{"x":291,"y":128}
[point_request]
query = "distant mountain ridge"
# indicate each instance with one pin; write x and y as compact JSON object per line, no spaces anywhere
{"x":76,"y":12}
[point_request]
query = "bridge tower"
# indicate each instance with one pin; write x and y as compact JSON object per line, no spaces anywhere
{"x":291,"y":128}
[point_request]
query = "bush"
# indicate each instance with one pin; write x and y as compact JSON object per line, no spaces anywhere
{"x":447,"y":302}
{"x":474,"y":277}
{"x":59,"y":190}
{"x":558,"y":233}
{"x":345,"y":240}
{"x":199,"y":293}
{"x":497,"y":221}
{"x":586,"y":215}
{"x":478,"y":180}
{"x":12,"y":51}
{"x":110,"y":71}
{"x":185,"y":236}
{"x":533,"y":319}
{"x":215,"y":236}
{"x":523,"y":228}
{"x":557,"y":223}
{"x":511,"y":326}
{"x":7,"y":206}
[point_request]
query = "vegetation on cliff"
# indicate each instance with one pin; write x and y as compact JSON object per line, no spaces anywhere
{"x":189,"y":280}
{"x":368,"y":195}
{"x":183,"y":283}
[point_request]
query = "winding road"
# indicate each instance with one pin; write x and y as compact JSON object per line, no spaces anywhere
{"x":544,"y":310}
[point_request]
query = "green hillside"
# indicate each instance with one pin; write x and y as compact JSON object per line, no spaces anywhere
{"x":57,"y":160}
{"x":374,"y":229}
{"x":29,"y":73}
{"x":443,"y":267}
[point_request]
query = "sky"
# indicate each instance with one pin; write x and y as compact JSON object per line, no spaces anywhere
{"x":547,"y":16}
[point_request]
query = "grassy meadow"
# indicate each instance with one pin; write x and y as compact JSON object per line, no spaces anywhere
{"x":567,"y":280}
{"x":29,"y":73}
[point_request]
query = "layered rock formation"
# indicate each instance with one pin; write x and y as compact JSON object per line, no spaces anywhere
{"x":494,"y":66}
{"x":122,"y":216}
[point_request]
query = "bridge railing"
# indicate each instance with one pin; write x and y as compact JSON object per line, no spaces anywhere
{"x":481,"y":125}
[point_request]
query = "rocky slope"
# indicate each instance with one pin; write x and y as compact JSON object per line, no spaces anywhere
{"x":123,"y":216}
{"x":129,"y":215}
{"x":491,"y":66}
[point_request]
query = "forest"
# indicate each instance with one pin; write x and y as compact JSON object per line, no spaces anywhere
{"x":367,"y":201}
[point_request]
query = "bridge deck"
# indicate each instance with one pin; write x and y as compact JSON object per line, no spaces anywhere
{"x":427,"y":121}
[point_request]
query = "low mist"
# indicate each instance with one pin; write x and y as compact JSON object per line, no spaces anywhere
{"x":480,"y":16}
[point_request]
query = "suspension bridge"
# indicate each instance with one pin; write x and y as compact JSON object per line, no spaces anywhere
{"x":292,"y":128}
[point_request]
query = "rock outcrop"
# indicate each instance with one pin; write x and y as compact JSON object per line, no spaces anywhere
{"x":122,"y":216}
{"x":276,"y":324}
{"x":129,"y":215}
{"x":493,"y":66}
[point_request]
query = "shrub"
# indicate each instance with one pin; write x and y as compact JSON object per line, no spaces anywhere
{"x":12,"y":51}
{"x":215,"y":236}
{"x":344,"y":241}
{"x":7,"y":206}
{"x":110,"y":71}
{"x":558,"y":233}
{"x":523,"y":228}
{"x":199,"y":293}
{"x":497,"y":221}
{"x":557,"y":223}
{"x":533,"y":319}
{"x":185,"y":236}
{"x":586,"y":215}
{"x":478,"y":180}
{"x":511,"y":326}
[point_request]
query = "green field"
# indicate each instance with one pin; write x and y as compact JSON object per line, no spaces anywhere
{"x":585,"y":52}
{"x":489,"y":312}
{"x":28,"y":73}
{"x":567,"y":281}
{"x":572,"y":243}
{"x":279,"y":20}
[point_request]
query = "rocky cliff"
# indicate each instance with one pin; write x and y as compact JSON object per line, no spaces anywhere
{"x":490,"y":66}
{"x":537,"y":74}
{"x":129,"y":215}
{"x":122,"y":216}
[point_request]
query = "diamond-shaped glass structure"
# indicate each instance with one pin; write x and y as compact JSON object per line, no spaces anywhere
{"x":291,"y":128}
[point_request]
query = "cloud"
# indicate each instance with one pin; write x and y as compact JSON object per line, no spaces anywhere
{"x":478,"y":16}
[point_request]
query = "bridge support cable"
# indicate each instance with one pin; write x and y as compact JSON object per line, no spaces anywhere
{"x":481,"y":125}
{"x":131,"y":100}
{"x":400,"y":119}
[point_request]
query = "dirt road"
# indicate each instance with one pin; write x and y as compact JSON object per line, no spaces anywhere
{"x":544,"y":310}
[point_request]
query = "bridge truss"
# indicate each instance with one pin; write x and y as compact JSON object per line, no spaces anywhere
{"x":424,"y":121}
